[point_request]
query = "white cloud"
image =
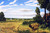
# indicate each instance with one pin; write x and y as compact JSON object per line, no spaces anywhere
{"x":42,"y":14}
{"x":21,"y":4}
{"x":25,"y":10}
{"x":1,"y":2}
{"x":29,"y":1}
{"x":13,"y":2}
{"x":16,"y":13}
{"x":14,"y":5}
{"x":19,"y":13}
{"x":34,"y":1}
{"x":3,"y":10}
{"x":32,"y":4}
{"x":8,"y":5}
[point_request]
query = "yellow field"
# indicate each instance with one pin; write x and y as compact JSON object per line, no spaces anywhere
{"x":13,"y":27}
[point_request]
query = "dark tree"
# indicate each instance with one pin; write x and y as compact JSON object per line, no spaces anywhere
{"x":48,"y":7}
{"x":37,"y":10}
{"x":38,"y":17}
{"x":43,"y":4}
{"x":2,"y":18}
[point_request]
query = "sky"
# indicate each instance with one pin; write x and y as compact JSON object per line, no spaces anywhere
{"x":20,"y":8}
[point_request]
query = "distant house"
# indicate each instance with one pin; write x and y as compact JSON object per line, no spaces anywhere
{"x":47,"y":17}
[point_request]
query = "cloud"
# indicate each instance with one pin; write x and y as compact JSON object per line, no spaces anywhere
{"x":32,"y":3}
{"x":25,"y":10}
{"x":1,"y":2}
{"x":3,"y":10}
{"x":13,"y":2}
{"x":29,"y":1}
{"x":42,"y":14}
{"x":36,"y":1}
{"x":18,"y":13}
{"x":8,"y":5}
{"x":35,"y":5}
{"x":21,"y":4}
{"x":22,"y":11}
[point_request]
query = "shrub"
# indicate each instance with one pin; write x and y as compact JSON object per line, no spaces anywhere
{"x":25,"y":23}
{"x":43,"y":26}
{"x":48,"y":25}
{"x":38,"y":19}
{"x":34,"y":26}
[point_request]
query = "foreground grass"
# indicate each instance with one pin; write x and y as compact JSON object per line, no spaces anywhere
{"x":13,"y":27}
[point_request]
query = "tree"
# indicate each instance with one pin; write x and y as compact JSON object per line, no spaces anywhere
{"x":2,"y":18}
{"x":38,"y":17}
{"x":48,"y":7}
{"x":43,"y":4}
{"x":37,"y":10}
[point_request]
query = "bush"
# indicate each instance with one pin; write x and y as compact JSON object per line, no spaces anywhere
{"x":34,"y":26}
{"x":25,"y":23}
{"x":43,"y":26}
{"x":27,"y":31}
{"x":38,"y":19}
{"x":48,"y":25}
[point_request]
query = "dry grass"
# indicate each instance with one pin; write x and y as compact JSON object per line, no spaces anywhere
{"x":13,"y":27}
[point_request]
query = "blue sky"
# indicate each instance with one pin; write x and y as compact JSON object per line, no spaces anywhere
{"x":19,"y":8}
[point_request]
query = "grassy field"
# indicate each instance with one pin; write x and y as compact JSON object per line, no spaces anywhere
{"x":13,"y":27}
